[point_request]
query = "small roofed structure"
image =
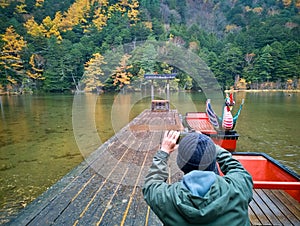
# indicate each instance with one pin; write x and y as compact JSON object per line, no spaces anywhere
{"x":160,"y":105}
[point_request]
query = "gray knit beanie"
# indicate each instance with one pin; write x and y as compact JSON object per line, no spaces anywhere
{"x":197,"y":152}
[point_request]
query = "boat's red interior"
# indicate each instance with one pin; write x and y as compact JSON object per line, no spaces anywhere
{"x":267,"y":175}
{"x":200,"y":122}
{"x":263,"y":170}
{"x":228,"y":144}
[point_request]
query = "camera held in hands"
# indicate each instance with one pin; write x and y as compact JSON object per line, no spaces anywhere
{"x":182,"y":135}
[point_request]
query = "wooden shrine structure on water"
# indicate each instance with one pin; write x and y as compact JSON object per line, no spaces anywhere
{"x":157,"y":104}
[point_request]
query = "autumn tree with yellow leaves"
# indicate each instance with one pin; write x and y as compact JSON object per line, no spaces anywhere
{"x":12,"y":68}
{"x":92,"y":73}
{"x":37,"y":62}
{"x":86,"y":13}
{"x":39,"y":3}
{"x":46,"y":29}
{"x":121,"y":75}
{"x":4,"y":3}
{"x":76,"y":14}
{"x":34,"y":29}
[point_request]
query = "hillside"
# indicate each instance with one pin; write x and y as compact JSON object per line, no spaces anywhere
{"x":49,"y":45}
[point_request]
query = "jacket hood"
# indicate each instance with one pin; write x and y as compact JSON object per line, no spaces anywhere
{"x":208,"y":197}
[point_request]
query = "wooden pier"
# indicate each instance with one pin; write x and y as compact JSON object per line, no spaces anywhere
{"x":106,"y":188}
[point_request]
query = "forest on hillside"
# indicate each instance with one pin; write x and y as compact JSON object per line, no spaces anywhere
{"x":63,"y":46}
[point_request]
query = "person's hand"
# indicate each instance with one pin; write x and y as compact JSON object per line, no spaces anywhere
{"x":168,"y":143}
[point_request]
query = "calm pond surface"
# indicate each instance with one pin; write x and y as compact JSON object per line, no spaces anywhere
{"x":41,"y":136}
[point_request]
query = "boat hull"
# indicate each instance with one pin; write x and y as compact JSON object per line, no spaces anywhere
{"x":267,"y":173}
{"x":227,"y":140}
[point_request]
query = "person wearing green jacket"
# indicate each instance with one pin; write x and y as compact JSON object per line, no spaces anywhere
{"x":202,"y":197}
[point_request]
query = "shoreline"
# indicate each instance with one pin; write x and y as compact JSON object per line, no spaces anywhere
{"x":226,"y":91}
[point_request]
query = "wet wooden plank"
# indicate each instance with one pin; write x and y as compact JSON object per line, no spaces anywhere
{"x":97,"y":211}
{"x":276,"y":213}
{"x":138,"y":208}
{"x":157,"y":121}
{"x":126,"y":214}
{"x":67,"y":211}
{"x":291,"y":204}
{"x":42,"y":203}
{"x":255,"y":205}
{"x":265,"y":208}
{"x":66,"y":202}
{"x":285,"y":216}
{"x":273,"y":207}
{"x":93,"y":212}
{"x":253,"y":218}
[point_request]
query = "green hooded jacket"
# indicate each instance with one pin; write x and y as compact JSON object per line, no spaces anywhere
{"x":202,"y":197}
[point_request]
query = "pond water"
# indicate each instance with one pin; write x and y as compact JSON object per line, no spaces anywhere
{"x":41,"y":136}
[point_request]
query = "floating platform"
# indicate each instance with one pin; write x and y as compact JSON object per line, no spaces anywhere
{"x":106,"y":188}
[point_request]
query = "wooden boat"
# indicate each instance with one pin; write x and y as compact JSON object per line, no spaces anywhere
{"x":199,"y":121}
{"x":267,"y":173}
